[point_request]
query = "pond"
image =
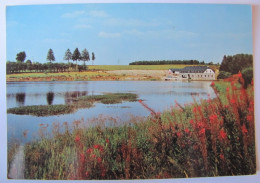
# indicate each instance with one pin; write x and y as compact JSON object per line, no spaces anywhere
{"x":158,"y":95}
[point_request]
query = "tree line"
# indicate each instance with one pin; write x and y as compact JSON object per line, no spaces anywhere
{"x":233,"y":64}
{"x":171,"y":62}
{"x":28,"y":66}
{"x":21,"y":66}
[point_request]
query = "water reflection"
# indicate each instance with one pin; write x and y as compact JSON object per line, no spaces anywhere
{"x":20,"y":99}
{"x":50,"y":97}
{"x":70,"y":96}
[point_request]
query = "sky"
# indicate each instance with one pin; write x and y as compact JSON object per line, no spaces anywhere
{"x":122,"y":33}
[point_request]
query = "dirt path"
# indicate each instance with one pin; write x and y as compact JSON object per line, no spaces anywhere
{"x":17,"y":166}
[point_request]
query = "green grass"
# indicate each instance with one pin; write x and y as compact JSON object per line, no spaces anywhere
{"x":81,"y":102}
{"x":41,"y":110}
{"x":134,"y":67}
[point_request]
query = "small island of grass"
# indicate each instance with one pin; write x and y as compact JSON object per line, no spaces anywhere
{"x":78,"y":103}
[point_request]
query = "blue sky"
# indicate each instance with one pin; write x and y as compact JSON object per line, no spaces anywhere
{"x":123,"y":33}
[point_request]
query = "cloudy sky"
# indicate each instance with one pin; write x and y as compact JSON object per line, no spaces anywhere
{"x":123,"y":33}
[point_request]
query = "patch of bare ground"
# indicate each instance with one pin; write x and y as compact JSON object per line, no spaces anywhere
{"x":139,"y":74}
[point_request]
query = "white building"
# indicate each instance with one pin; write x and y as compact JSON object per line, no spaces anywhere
{"x":193,"y":73}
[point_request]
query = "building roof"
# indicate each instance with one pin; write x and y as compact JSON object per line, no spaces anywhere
{"x":192,"y":69}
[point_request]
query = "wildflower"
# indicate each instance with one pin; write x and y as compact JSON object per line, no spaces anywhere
{"x":222,"y":156}
{"x":99,"y":159}
{"x":77,"y":138}
{"x":191,"y":122}
{"x":82,"y":158}
{"x":249,"y":118}
{"x":244,"y":130}
{"x":240,"y":75}
{"x":227,"y":89}
{"x":252,"y":82}
{"x":213,"y":117}
{"x":101,"y":149}
{"x":96,"y":146}
{"x":187,"y":130}
{"x":212,"y":84}
{"x":103,"y":173}
{"x":93,"y":156}
{"x":87,"y":174}
{"x":194,"y":109}
{"x":202,"y":131}
{"x":222,"y":134}
{"x":89,"y":151}
{"x":179,"y":134}
{"x":232,"y":101}
{"x":200,"y":124}
{"x":107,"y":140}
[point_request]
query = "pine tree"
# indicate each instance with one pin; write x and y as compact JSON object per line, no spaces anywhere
{"x":93,"y":57}
{"x":85,"y":55}
{"x":76,"y":56}
{"x":50,"y":55}
{"x":68,"y":55}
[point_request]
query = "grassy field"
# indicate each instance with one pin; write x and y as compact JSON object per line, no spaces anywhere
{"x":213,"y":137}
{"x":134,"y":67}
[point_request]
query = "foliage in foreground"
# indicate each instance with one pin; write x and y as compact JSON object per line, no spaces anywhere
{"x":81,"y":102}
{"x":212,"y":138}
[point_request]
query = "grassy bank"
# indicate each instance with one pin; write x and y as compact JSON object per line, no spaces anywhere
{"x":81,"y":102}
{"x":215,"y":137}
{"x":96,"y":73}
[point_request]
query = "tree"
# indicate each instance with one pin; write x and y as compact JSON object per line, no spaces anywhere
{"x":236,"y":63}
{"x":76,"y":56}
{"x":68,"y":55}
{"x":20,"y":57}
{"x":85,"y":55}
{"x":93,"y":57}
{"x":50,"y":55}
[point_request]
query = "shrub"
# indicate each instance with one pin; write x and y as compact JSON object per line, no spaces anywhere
{"x":247,"y":74}
{"x":224,"y":75}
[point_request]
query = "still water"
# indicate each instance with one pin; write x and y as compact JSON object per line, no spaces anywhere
{"x":158,"y":95}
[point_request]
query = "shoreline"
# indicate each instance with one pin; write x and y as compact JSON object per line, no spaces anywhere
{"x":112,"y":75}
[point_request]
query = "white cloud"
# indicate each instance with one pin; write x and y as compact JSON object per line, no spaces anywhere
{"x":134,"y":32}
{"x":109,"y":35}
{"x":131,"y":22}
{"x":73,"y":14}
{"x":82,"y":26}
{"x":96,"y":13}
{"x":166,"y":34}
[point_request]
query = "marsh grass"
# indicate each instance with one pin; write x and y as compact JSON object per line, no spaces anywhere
{"x":78,"y":103}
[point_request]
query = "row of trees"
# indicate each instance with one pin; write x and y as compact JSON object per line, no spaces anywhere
{"x":28,"y":66}
{"x":170,"y":62}
{"x":76,"y":56}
